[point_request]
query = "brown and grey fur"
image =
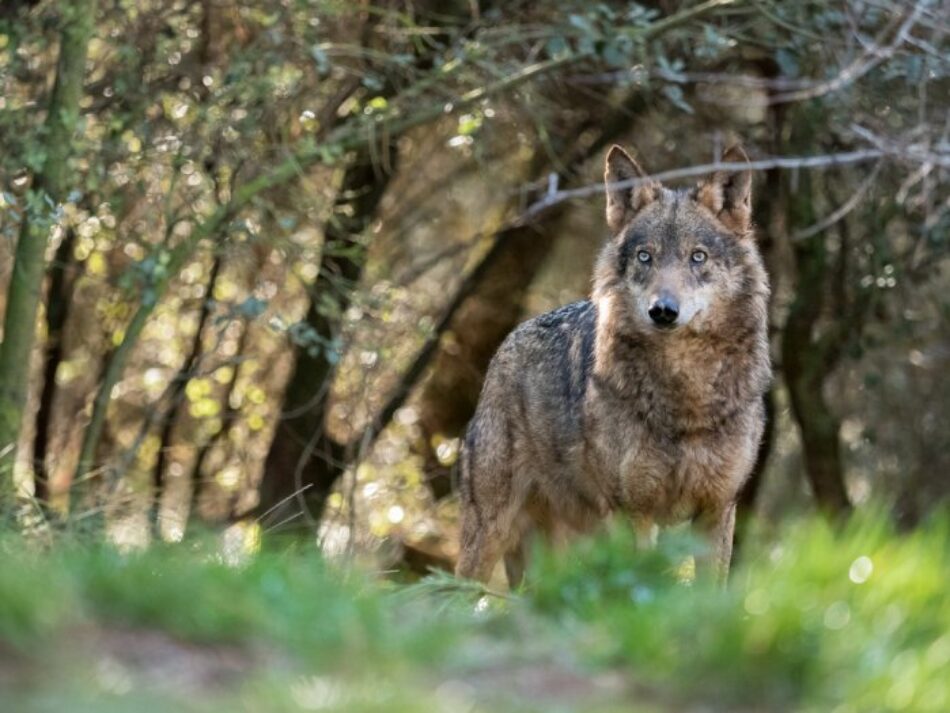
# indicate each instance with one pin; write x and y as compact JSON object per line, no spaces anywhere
{"x":593,"y":409}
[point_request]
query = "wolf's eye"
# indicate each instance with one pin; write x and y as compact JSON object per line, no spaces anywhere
{"x":698,"y":257}
{"x":643,"y":256}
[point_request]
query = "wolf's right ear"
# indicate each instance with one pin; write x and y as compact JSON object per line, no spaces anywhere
{"x":624,"y":202}
{"x":728,"y":193}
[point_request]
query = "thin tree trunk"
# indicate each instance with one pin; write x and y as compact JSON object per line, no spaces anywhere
{"x":228,"y":419}
{"x":177,"y":396}
{"x":50,"y":185}
{"x":61,"y":279}
{"x":771,"y":215}
{"x":819,"y":427}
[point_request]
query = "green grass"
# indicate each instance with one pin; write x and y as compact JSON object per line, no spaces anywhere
{"x":853,"y":619}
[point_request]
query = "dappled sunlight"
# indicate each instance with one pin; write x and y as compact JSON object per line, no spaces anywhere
{"x":240,"y":542}
{"x":129,"y":533}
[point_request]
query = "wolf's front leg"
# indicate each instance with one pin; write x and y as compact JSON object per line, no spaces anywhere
{"x":646,"y":531}
{"x":718,"y":528}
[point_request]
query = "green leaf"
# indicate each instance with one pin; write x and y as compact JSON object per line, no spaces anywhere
{"x":674,"y":93}
{"x":557,"y":47}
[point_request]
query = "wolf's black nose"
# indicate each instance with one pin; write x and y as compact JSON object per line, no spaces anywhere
{"x":664,"y":310}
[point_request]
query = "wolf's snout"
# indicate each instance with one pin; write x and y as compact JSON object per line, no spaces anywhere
{"x":664,"y":310}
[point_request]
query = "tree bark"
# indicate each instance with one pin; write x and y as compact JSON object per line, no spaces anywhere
{"x":63,"y":271}
{"x":771,"y":214}
{"x":50,"y":186}
{"x":199,"y":484}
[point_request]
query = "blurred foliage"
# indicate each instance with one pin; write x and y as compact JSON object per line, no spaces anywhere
{"x":815,"y":618}
{"x":818,"y":619}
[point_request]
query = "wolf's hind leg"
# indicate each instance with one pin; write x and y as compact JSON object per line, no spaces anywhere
{"x":488,"y":532}
{"x":719,"y":528}
{"x":489,"y":499}
{"x":480,"y":548}
{"x":516,"y":559}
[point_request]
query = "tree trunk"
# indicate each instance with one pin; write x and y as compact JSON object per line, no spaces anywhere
{"x":771,"y":214}
{"x":303,"y":463}
{"x":807,"y":361}
{"x":64,"y":271}
{"x":50,"y":185}
{"x":199,"y":484}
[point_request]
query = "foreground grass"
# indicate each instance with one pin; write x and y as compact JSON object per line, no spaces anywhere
{"x":854,"y":619}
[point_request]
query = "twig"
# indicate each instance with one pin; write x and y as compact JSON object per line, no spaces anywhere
{"x":842,"y":210}
{"x":280,"y":502}
{"x":271,"y":528}
{"x":872,"y":57}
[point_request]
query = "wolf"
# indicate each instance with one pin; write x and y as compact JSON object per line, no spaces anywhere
{"x":646,"y":399}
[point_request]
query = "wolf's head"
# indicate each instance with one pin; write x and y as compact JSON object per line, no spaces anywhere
{"x":680,"y":260}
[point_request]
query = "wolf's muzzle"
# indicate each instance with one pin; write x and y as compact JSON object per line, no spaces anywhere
{"x":664,"y":310}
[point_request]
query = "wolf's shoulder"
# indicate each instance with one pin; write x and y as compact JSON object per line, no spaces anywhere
{"x":553,"y":332}
{"x":569,"y":320}
{"x":576,"y":314}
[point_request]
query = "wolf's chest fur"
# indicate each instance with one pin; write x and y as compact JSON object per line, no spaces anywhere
{"x":670,"y":435}
{"x":669,"y":479}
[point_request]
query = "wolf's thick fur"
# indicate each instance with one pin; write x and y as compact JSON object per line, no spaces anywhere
{"x":606,"y":405}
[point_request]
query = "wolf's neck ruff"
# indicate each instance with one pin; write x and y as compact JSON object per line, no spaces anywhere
{"x":685,"y":381}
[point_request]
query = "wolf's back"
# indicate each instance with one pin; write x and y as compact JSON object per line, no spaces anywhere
{"x":536,"y":384}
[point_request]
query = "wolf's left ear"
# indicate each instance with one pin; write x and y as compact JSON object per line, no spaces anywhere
{"x":623,"y":203}
{"x":728,"y":193}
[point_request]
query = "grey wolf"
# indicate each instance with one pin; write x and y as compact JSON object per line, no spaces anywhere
{"x":645,"y":399}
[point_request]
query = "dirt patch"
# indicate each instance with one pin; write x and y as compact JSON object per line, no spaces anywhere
{"x":157,"y":660}
{"x":119,"y":659}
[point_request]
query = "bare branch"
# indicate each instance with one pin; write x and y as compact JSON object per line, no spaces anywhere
{"x":784,"y":162}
